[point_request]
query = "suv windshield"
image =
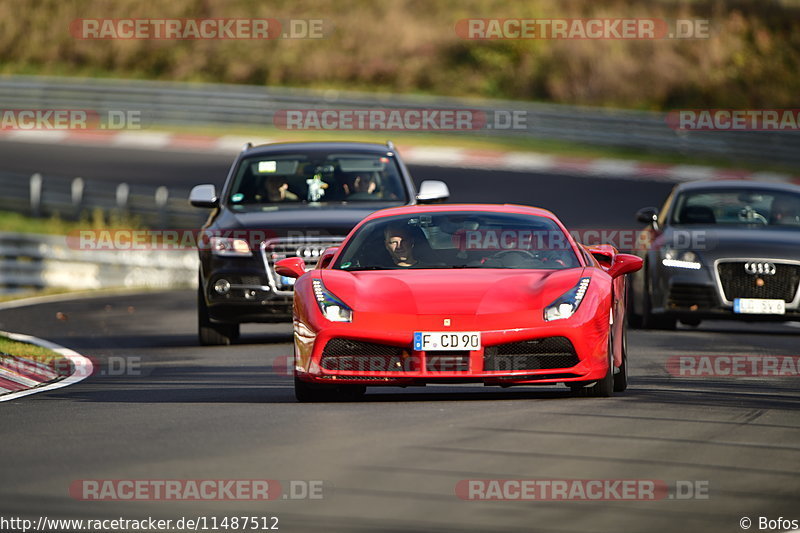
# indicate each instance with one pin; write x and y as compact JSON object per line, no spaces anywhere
{"x":745,"y":206}
{"x":458,"y":240}
{"x":316,"y":178}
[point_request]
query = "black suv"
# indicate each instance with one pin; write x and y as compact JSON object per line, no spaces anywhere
{"x":283,"y":200}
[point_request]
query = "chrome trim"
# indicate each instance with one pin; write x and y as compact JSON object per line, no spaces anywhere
{"x":794,"y":304}
{"x":328,"y":242}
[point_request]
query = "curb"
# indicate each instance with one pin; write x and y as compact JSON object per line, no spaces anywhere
{"x":432,"y":156}
{"x":20,"y":376}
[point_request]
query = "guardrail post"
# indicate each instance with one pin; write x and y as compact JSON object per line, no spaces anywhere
{"x":36,"y":195}
{"x":161,"y":198}
{"x":77,"y":195}
{"x":123,"y":192}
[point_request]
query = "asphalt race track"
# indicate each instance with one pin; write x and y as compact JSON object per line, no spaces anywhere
{"x":163,"y":408}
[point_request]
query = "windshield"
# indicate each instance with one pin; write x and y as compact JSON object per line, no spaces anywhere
{"x":458,"y":240}
{"x":745,"y":206}
{"x":316,"y":178}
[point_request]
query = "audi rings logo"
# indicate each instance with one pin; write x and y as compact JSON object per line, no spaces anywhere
{"x":763,"y":269}
{"x":310,"y":251}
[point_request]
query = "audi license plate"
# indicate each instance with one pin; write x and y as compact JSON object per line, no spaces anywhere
{"x":430,"y":341}
{"x":758,"y":306}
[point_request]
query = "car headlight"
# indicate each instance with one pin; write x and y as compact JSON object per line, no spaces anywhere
{"x":566,"y":304}
{"x":671,"y":257}
{"x":228,"y":246}
{"x":330,"y":305}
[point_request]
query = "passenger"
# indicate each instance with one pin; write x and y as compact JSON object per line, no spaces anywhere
{"x":785,"y":211}
{"x":361,"y":187}
{"x":275,"y":189}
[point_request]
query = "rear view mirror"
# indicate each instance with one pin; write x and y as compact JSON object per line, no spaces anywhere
{"x":624,"y":264}
{"x":204,"y":196}
{"x":647,"y":215}
{"x":291,"y":267}
{"x":432,"y":191}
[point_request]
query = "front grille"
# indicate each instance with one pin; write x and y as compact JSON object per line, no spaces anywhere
{"x":691,"y":296}
{"x":309,"y":249}
{"x":360,"y":356}
{"x":736,"y":283}
{"x":449,"y":361}
{"x":534,"y":354}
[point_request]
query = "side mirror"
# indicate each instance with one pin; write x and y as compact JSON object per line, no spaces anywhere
{"x":291,"y":267}
{"x":625,"y":264}
{"x":647,"y":215}
{"x":204,"y":196}
{"x":431,"y":191}
{"x":326,"y":257}
{"x":604,"y":253}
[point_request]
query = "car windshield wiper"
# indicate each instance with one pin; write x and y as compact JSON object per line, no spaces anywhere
{"x":356,"y":269}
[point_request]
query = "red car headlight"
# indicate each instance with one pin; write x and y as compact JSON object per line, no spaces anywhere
{"x":330,"y":305}
{"x":565,"y":305}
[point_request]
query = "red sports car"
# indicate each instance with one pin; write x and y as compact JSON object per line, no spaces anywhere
{"x":493,"y":294}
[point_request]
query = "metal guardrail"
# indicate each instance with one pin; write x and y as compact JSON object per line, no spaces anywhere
{"x":76,"y":198}
{"x":192,"y":104}
{"x":30,"y":261}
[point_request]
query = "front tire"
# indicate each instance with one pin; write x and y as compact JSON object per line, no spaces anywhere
{"x":604,"y":388}
{"x":208,"y":332}
{"x":651,"y":320}
{"x":621,"y":377}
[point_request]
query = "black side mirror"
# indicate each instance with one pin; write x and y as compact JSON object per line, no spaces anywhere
{"x":647,"y":215}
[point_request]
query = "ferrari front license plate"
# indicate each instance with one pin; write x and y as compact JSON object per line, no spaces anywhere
{"x":757,"y":306}
{"x":429,"y":341}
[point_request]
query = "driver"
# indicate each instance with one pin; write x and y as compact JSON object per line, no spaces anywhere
{"x":785,"y":211}
{"x":400,"y":244}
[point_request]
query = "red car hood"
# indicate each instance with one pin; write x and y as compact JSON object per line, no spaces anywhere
{"x":450,"y":291}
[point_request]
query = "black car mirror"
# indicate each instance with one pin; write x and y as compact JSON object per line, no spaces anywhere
{"x":647,"y":215}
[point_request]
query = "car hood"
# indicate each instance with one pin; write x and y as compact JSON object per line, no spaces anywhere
{"x":319,"y":220}
{"x":450,"y":291}
{"x":714,"y":242}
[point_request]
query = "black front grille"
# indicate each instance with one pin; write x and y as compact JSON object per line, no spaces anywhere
{"x":736,"y":283}
{"x":534,"y":354}
{"x":359,"y":356}
{"x":691,"y":296}
{"x":448,"y":361}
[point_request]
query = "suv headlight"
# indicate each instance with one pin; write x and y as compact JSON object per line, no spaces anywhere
{"x":330,"y":305}
{"x":566,"y":304}
{"x":670,"y":257}
{"x":228,"y":246}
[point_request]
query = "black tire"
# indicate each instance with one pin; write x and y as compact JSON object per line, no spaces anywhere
{"x":634,"y":318}
{"x":312,"y":392}
{"x":604,"y":388}
{"x":651,"y":320}
{"x":621,"y":377}
{"x":211,"y":333}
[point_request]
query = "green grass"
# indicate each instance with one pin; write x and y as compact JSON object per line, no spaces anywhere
{"x":24,"y":350}
{"x":96,"y":220}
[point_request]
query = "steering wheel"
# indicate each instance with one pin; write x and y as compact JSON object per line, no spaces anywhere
{"x":498,"y":256}
{"x":750,"y":215}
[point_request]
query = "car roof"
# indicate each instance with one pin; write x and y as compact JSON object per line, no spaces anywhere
{"x":477,"y":208}
{"x":305,"y":147}
{"x":737,"y":184}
